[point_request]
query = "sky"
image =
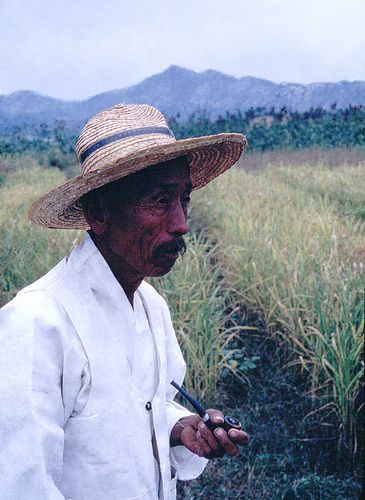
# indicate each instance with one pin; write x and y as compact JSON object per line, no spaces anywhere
{"x":74,"y":49}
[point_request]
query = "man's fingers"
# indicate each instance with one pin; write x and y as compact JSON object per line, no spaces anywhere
{"x":196,"y":421}
{"x":239,"y":437}
{"x":204,"y":448}
{"x":199,"y":439}
{"x":209,"y":437}
{"x":226,"y":442}
{"x":216,"y":416}
{"x":211,"y":449}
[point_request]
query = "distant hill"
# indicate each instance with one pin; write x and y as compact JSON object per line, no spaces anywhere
{"x":179,"y":90}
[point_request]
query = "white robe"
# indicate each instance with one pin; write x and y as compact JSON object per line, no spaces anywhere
{"x":73,"y":417}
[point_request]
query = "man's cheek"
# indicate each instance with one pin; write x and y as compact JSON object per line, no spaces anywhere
{"x":146,"y":254}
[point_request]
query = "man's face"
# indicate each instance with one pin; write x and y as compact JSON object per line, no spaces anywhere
{"x":147,"y":224}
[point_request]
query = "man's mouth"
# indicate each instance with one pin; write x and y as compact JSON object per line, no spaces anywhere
{"x":169,"y":255}
{"x":170,"y":251}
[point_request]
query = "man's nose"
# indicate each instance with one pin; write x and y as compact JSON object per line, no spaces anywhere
{"x":178,"y":220}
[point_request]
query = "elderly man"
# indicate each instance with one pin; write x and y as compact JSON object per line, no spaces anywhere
{"x":87,"y":353}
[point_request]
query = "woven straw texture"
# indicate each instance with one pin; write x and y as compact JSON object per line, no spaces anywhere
{"x":125,"y":139}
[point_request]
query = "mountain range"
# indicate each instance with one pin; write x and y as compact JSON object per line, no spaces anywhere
{"x":179,"y":90}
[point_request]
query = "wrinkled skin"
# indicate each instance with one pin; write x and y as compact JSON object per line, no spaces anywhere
{"x":138,"y":225}
{"x":199,"y":439}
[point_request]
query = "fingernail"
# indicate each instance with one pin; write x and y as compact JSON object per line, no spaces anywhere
{"x":201,"y":425}
{"x":232,"y":434}
{"x":218,"y":432}
{"x":219,"y":419}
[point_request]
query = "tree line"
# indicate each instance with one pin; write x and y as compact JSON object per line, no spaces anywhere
{"x":266,"y":130}
{"x":283,"y":129}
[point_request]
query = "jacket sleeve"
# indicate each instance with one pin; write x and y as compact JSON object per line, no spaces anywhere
{"x":32,"y":352}
{"x":188,"y":465}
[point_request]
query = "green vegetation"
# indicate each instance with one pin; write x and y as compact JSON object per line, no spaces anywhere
{"x":53,"y":146}
{"x":266,"y":130}
{"x":268,"y":307}
{"x":294,"y":254}
{"x":278,"y":130}
{"x":27,"y":251}
{"x":202,"y":306}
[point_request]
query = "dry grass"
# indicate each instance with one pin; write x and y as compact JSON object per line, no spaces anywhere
{"x":27,"y":251}
{"x":314,"y":157}
{"x":292,"y":252}
{"x":199,"y":301}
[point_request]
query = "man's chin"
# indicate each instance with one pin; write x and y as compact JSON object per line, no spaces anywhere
{"x":163,"y":264}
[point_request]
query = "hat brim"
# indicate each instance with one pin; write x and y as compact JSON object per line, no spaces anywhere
{"x":207,"y":156}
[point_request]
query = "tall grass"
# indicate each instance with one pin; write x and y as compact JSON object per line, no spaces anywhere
{"x":27,"y":251}
{"x":333,"y":157}
{"x":201,"y":305}
{"x":290,"y":251}
{"x":343,"y":190}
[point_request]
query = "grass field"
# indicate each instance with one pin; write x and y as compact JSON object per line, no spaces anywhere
{"x":296,"y":252}
{"x":268,"y":307}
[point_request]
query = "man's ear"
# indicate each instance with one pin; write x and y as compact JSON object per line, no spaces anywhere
{"x":95,"y":212}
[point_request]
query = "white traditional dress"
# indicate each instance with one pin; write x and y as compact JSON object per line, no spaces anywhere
{"x":86,"y":405}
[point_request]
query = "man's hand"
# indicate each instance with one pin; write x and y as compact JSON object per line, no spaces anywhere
{"x":192,"y":433}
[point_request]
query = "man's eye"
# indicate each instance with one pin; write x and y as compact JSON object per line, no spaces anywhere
{"x":163,"y":200}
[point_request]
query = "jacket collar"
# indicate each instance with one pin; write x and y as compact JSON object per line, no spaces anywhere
{"x":89,"y":263}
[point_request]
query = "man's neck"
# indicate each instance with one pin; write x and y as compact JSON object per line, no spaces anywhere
{"x":126,"y":277}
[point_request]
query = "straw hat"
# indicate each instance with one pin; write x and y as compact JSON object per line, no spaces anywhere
{"x":125,"y":139}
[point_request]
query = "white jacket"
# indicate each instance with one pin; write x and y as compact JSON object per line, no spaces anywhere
{"x":72,"y":423}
